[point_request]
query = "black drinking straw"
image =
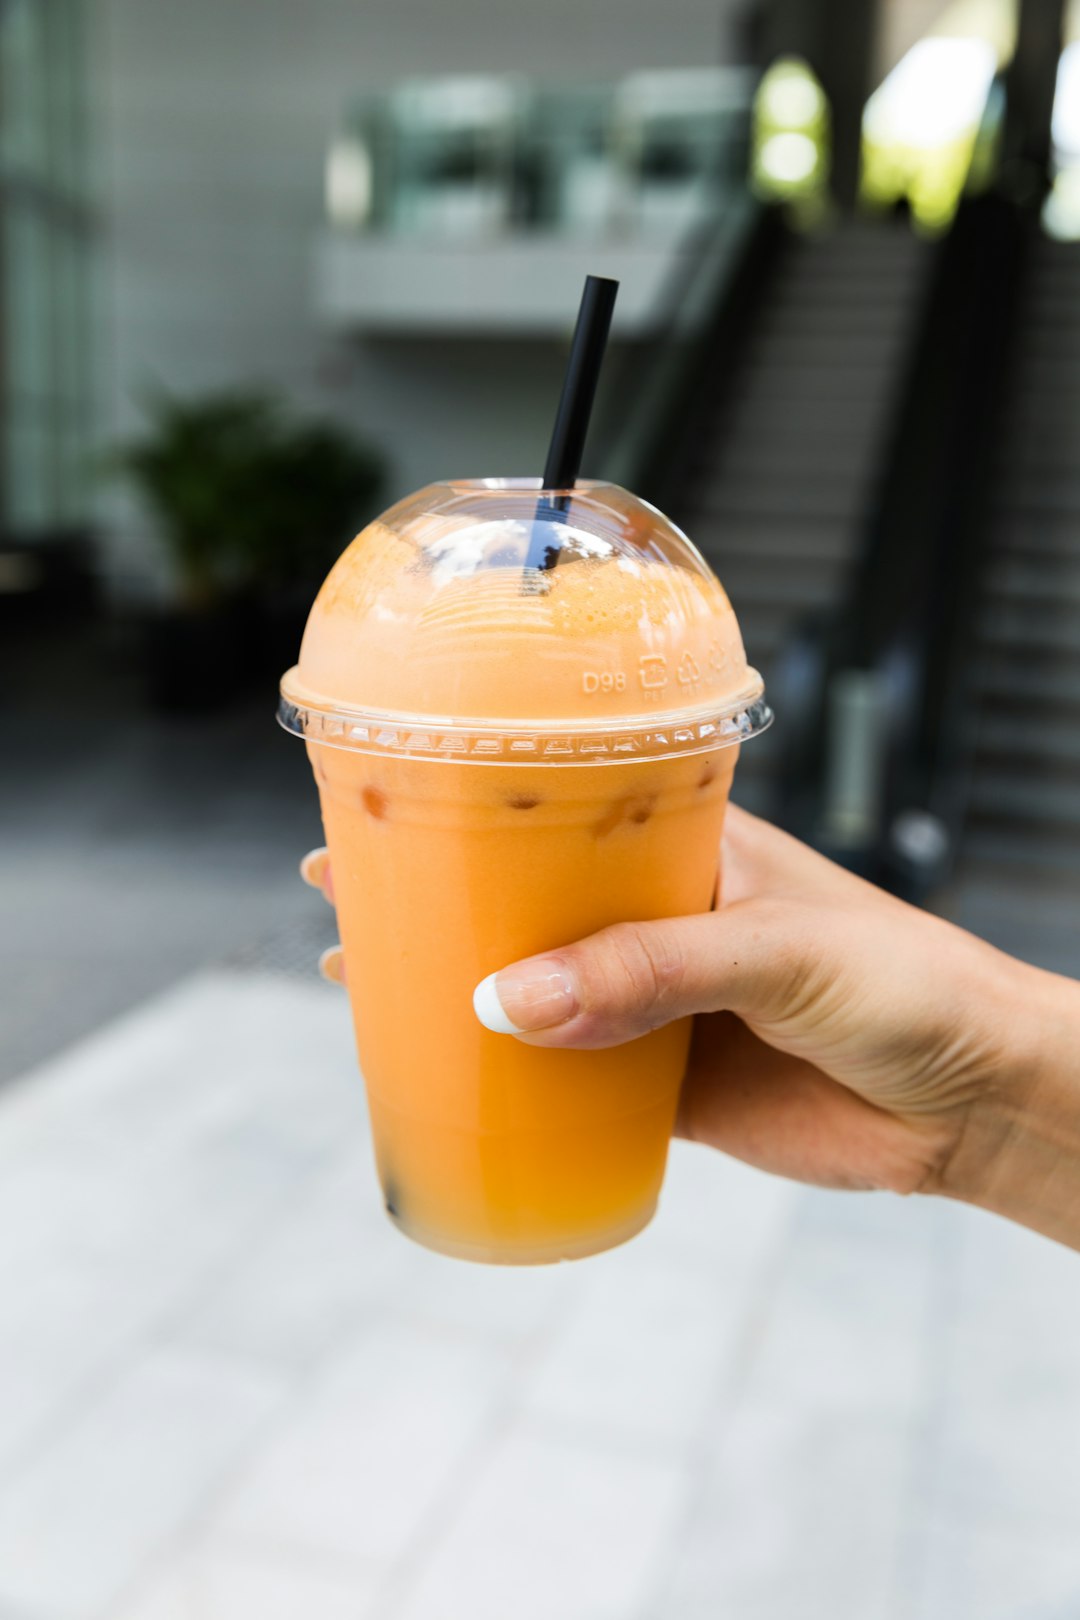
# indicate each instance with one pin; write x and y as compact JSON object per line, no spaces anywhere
{"x":575,"y":407}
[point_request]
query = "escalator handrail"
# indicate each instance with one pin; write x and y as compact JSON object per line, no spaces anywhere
{"x":655,"y":441}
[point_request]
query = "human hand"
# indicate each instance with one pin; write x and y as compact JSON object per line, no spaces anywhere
{"x":315,"y":871}
{"x":841,"y":1037}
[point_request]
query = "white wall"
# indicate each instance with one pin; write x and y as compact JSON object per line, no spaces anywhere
{"x":902,"y":23}
{"x":212,"y":121}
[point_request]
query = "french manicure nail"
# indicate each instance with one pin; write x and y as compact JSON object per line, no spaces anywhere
{"x":313,"y":867}
{"x":530,"y":996}
{"x":332,"y":964}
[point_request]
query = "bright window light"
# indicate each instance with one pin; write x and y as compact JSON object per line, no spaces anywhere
{"x":788,"y":158}
{"x":349,"y":182}
{"x":791,"y":99}
{"x":934,"y":94}
{"x":1061,"y":210}
{"x":789,"y":153}
{"x":1066,"y":121}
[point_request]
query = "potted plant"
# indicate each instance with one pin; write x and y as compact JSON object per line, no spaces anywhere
{"x":321,"y":486}
{"x":252,"y":504}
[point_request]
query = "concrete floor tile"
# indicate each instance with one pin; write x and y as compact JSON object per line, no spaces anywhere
{"x":370,"y":1452}
{"x":720,"y":1210}
{"x":220,"y":1581}
{"x":150,"y":1160}
{"x":850,"y":1321}
{"x":1012,"y":1465}
{"x":645,"y":1352}
{"x":997,"y":1259}
{"x":800,"y":1514}
{"x":185,"y":1066}
{"x":998,"y":1574}
{"x":64,"y":1325}
{"x":1006,"y":1455}
{"x":553,"y":1526}
{"x":766,"y":1406}
{"x":516,"y":1309}
{"x":327,"y":1260}
{"x":83,"y":1520}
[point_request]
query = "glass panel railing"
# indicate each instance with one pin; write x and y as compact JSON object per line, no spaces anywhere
{"x":478,"y":157}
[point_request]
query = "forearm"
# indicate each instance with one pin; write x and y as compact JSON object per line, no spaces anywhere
{"x":1018,"y":1154}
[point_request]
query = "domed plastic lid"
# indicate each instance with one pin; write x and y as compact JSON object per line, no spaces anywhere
{"x":494,"y":620}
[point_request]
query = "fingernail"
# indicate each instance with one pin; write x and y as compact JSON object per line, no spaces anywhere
{"x":332,"y":964}
{"x":533,"y":995}
{"x":313,"y":867}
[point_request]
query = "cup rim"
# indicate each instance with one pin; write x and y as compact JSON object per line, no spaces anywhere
{"x":616,"y":740}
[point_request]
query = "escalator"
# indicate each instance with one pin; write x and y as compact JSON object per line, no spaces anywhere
{"x":876,"y":456}
{"x":788,"y":443}
{"x":1018,"y":874}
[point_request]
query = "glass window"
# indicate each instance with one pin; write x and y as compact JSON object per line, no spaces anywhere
{"x":29,"y":482}
{"x":23,"y":72}
{"x":26,"y":316}
{"x":45,"y":241}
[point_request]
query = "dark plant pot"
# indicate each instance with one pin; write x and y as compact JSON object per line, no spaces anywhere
{"x":196,"y":661}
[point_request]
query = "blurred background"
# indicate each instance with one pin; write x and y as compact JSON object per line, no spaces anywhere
{"x":264,"y":269}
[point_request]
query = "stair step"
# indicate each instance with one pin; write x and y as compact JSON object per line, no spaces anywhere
{"x":1047,"y":743}
{"x":805,"y":583}
{"x":1025,"y":784}
{"x":1055,"y":628}
{"x":1022,"y":905}
{"x":795,"y":321}
{"x":740,"y":491}
{"x":1053,"y":298}
{"x":1052,"y":376}
{"x":1026,"y":798}
{"x":803,"y":435}
{"x":763,"y":640}
{"x":1057,"y":497}
{"x":1049,"y":582}
{"x":1039,"y":455}
{"x":1027,"y":855}
{"x":782,"y":382}
{"x":812,"y":349}
{"x":731,"y":513}
{"x":1045,"y":535}
{"x":757,"y":460}
{"x":1034,"y":677}
{"x":771,"y":539}
{"x":1053,"y":334}
{"x":781,"y":476}
{"x":1044,"y":428}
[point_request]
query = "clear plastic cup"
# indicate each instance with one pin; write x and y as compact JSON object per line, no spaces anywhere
{"x":509,"y":758}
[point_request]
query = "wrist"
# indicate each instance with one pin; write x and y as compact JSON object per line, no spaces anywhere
{"x":1018,"y":1152}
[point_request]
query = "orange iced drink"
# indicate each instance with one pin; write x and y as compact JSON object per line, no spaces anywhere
{"x":507,"y":760}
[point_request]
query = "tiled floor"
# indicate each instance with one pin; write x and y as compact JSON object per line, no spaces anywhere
{"x":229,"y":1389}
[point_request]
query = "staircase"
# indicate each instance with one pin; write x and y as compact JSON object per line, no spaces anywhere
{"x":781,"y":476}
{"x":1018,"y":878}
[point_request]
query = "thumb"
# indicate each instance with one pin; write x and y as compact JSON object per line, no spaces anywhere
{"x":748,"y":958}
